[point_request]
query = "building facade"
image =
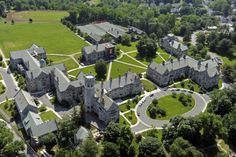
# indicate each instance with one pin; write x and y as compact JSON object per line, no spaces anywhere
{"x":205,"y":73}
{"x":171,"y":44}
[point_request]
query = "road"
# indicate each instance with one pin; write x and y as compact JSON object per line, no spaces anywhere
{"x":145,"y":122}
{"x":10,"y":85}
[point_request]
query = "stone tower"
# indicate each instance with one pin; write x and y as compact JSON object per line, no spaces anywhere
{"x":89,"y":91}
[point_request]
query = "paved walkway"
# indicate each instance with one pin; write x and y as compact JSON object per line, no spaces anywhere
{"x":145,"y":122}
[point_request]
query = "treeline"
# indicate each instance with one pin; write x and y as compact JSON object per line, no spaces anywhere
{"x":19,"y":5}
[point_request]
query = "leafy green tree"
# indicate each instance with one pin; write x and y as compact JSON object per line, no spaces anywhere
{"x":112,"y":132}
{"x":201,"y":38}
{"x":147,"y":47}
{"x":89,"y":147}
{"x":101,"y":68}
{"x":13,"y":148}
{"x":151,"y":147}
{"x":125,"y":40}
{"x":182,"y":148}
{"x":110,"y":150}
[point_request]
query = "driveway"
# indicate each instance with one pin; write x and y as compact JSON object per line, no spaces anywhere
{"x":10,"y":85}
{"x":145,"y":122}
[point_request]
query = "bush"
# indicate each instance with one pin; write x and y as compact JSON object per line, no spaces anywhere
{"x":182,"y":84}
{"x":42,"y":108}
{"x":138,"y":138}
{"x":174,"y":95}
{"x":155,"y":101}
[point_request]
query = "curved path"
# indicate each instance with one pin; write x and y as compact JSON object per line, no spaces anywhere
{"x":145,"y":122}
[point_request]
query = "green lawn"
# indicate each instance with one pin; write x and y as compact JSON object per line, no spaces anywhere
{"x":48,"y":115}
{"x":121,"y":69}
{"x":123,"y":121}
{"x":146,"y":60}
{"x":54,"y":37}
{"x":148,"y":85}
{"x":165,"y":56}
{"x":172,"y":106}
{"x":125,"y":48}
{"x":0,"y":77}
{"x":9,"y":107}
{"x":131,"y":117}
{"x":2,"y":88}
{"x":188,"y":84}
{"x":228,"y":61}
{"x":153,"y":133}
{"x":69,"y":62}
{"x":130,"y":60}
{"x":132,"y":103}
{"x":52,"y":16}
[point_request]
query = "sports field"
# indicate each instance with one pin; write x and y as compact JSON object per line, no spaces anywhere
{"x":53,"y":36}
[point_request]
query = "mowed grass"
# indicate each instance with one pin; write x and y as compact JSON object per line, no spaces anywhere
{"x":148,"y":85}
{"x":153,"y":133}
{"x":54,"y":37}
{"x":123,"y":121}
{"x":125,"y":48}
{"x":121,"y":69}
{"x":172,"y":106}
{"x":130,"y":60}
{"x":67,"y":61}
{"x":39,"y":15}
{"x":131,"y":117}
{"x":146,"y":60}
{"x":48,"y":115}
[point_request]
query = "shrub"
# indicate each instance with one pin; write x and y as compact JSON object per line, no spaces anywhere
{"x":155,"y":101}
{"x":138,"y":138}
{"x":182,"y":84}
{"x":174,"y":95}
{"x":42,"y":108}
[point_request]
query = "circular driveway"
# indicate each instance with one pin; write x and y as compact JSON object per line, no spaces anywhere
{"x":144,"y":120}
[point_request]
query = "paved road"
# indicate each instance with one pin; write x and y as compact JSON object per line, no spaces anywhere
{"x":146,"y":122}
{"x":10,"y":85}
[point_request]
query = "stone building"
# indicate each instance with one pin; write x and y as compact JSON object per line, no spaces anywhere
{"x":171,"y":44}
{"x":96,"y":52}
{"x":204,"y":73}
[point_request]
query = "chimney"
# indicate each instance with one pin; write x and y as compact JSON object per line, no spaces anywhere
{"x":102,"y":91}
{"x":206,"y":66}
{"x":163,"y":63}
{"x":31,"y":73}
{"x":179,"y":46}
{"x":119,"y":80}
{"x":184,"y":56}
{"x":57,"y":80}
{"x":126,"y":76}
{"x":96,"y":45}
{"x":199,"y":64}
{"x":171,"y":60}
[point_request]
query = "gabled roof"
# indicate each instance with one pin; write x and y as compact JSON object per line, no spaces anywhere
{"x":176,"y":45}
{"x":82,"y":134}
{"x":43,"y":128}
{"x":64,"y":83}
{"x":210,"y":66}
{"x":47,"y":70}
{"x":23,"y":99}
{"x":96,"y":48}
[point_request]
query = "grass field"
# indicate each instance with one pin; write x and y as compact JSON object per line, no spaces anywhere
{"x":38,"y":16}
{"x":132,"y":104}
{"x":146,"y":60}
{"x":187,"y":84}
{"x":131,"y":117}
{"x":130,"y":60}
{"x":124,"y":48}
{"x":48,"y":115}
{"x":54,"y":37}
{"x":148,"y":86}
{"x":123,"y":121}
{"x":153,"y":133}
{"x":172,"y":106}
{"x":121,"y":69}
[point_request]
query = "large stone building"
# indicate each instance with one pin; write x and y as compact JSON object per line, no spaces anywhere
{"x":204,"y":73}
{"x":30,"y":118}
{"x":96,"y":52}
{"x":171,"y":44}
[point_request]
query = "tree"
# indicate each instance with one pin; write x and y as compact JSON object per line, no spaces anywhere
{"x":112,"y":132}
{"x":225,"y":45}
{"x":30,"y":20}
{"x":48,"y":140}
{"x":110,"y":150}
{"x":72,"y":17}
{"x":13,"y":149}
{"x":182,"y":148}
{"x":151,"y":147}
{"x":2,"y":8}
{"x":201,"y":38}
{"x":101,"y":68}
{"x":147,"y":47}
{"x":125,"y":40}
{"x":89,"y":147}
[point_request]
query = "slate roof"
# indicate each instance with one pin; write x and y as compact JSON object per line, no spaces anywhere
{"x":43,"y":128}
{"x":176,"y":45}
{"x":64,"y":83}
{"x":128,"y":78}
{"x":47,"y":70}
{"x":23,"y":99}
{"x":105,"y":101}
{"x":96,"y":48}
{"x":82,"y":134}
{"x":188,"y":62}
{"x":136,"y":30}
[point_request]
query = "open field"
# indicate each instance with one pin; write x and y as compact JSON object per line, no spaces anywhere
{"x":125,"y":48}
{"x":121,"y":69}
{"x":48,"y":115}
{"x":55,"y":38}
{"x":146,"y":60}
{"x":153,"y":133}
{"x":130,"y":60}
{"x":172,"y":106}
{"x":37,"y":16}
